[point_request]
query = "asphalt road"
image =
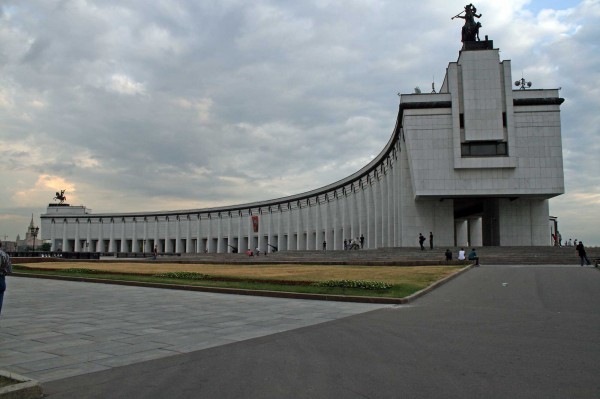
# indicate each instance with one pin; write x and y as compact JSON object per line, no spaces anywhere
{"x":494,"y":332}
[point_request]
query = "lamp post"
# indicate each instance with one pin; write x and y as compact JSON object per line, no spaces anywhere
{"x":34,"y":233}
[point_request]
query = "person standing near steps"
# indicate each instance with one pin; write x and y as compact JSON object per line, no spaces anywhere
{"x":582,"y":254}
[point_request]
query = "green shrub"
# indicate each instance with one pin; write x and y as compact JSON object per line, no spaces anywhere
{"x":183,"y":275}
{"x":365,"y":285}
{"x":76,"y":270}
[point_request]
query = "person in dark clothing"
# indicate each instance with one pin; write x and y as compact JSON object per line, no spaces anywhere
{"x":5,"y":270}
{"x":582,"y":254}
{"x":421,"y":241}
{"x":473,"y":256}
{"x":448,"y":254}
{"x":430,"y":240}
{"x":362,"y":241}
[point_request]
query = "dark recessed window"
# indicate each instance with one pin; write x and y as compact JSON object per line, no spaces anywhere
{"x":484,"y":149}
{"x":461,"y":118}
{"x":504,"y":119}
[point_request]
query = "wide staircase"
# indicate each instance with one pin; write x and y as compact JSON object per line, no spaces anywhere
{"x":404,"y":256}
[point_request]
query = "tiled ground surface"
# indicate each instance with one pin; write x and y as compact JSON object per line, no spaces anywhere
{"x":55,"y":329}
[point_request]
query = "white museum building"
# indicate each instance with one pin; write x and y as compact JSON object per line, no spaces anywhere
{"x":475,"y":163}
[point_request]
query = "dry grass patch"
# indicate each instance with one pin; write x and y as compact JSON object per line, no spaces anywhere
{"x":388,"y":274}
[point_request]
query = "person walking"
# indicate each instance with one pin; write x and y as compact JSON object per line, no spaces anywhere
{"x":430,"y":240}
{"x":324,"y":245}
{"x":362,"y":241}
{"x":5,"y":270}
{"x":421,"y":241}
{"x":582,"y":254}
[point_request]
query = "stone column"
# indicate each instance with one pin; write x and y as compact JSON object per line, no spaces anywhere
{"x":209,"y":243}
{"x":146,"y":245}
{"x":199,"y":235}
{"x":279,"y":228}
{"x":156,"y":236}
{"x":178,"y":234}
{"x":384,"y":210}
{"x":261,"y":230}
{"x":328,"y":237}
{"x":270,"y":234}
{"x":397,"y":193}
{"x":308,"y":226}
{"x":76,"y":247}
{"x":123,"y":238}
{"x":249,"y":230}
{"x":65,"y":242}
{"x":369,"y":210}
{"x":88,"y":238}
{"x":338,"y":240}
{"x":52,"y":234}
{"x":168,"y":226}
{"x":135,"y":245}
{"x":290,"y":240}
{"x":390,"y":207}
{"x":111,"y":237}
{"x":475,"y":232}
{"x":461,"y":228}
{"x":345,"y":216}
{"x":188,"y":243}
{"x":220,"y":233}
{"x":241,"y":245}
{"x":100,"y":243}
{"x":318,"y":226}
{"x":299,"y":228}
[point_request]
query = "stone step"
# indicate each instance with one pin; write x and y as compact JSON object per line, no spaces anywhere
{"x":489,"y":255}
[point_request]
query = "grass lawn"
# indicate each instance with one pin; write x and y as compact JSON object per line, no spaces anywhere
{"x":404,"y":280}
{"x":4,"y":382}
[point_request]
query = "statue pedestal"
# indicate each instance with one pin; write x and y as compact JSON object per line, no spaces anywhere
{"x":478,"y":45}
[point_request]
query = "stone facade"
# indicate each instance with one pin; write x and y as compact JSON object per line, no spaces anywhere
{"x":475,"y":164}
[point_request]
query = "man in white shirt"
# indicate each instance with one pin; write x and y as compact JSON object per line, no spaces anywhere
{"x":461,"y":254}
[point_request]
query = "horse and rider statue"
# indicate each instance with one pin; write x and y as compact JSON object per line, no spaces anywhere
{"x":60,"y":197}
{"x":470,"y":30}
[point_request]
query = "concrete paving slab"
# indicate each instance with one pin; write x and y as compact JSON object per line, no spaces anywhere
{"x":91,"y":327}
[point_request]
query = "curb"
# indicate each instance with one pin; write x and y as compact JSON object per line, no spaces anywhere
{"x":25,"y":388}
{"x":273,"y":294}
{"x":437,"y":284}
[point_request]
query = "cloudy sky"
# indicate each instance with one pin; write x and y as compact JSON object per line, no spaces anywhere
{"x":137,"y":105}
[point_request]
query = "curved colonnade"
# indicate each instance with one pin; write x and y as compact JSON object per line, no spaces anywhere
{"x":365,"y":203}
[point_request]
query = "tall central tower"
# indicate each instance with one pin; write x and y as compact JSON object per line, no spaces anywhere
{"x":493,"y":153}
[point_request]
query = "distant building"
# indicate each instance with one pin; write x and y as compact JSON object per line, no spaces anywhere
{"x":29,"y":241}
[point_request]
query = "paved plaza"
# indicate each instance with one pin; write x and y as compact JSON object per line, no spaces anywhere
{"x":53,"y":329}
{"x":493,"y":332}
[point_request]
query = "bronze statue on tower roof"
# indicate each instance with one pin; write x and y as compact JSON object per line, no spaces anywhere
{"x":470,"y":30}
